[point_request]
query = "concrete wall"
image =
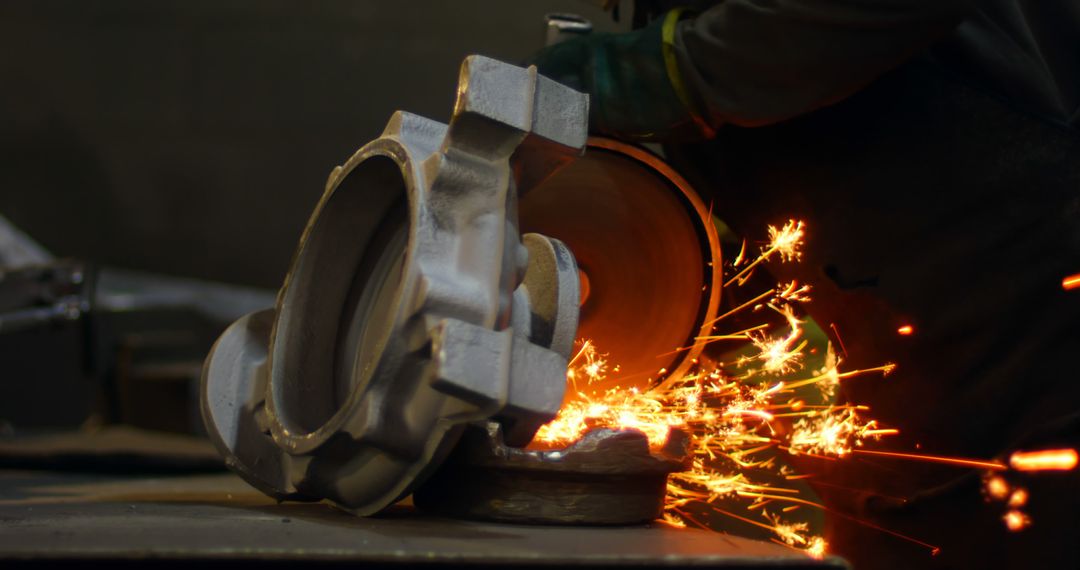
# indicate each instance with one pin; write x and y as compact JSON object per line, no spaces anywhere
{"x":193,"y":137}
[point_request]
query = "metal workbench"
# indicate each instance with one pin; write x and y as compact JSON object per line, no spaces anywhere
{"x":215,"y":519}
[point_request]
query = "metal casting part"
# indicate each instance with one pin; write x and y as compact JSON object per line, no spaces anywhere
{"x":608,"y":477}
{"x":649,"y":250}
{"x":403,"y":316}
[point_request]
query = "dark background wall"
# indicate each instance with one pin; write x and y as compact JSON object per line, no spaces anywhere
{"x":193,"y":137}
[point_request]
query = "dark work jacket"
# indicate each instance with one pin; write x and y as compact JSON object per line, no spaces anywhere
{"x":756,"y":62}
{"x":932,"y":148}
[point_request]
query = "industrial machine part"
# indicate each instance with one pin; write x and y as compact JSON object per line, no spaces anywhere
{"x":608,"y":477}
{"x":412,"y":307}
{"x":121,"y":346}
{"x":648,"y":253}
{"x":45,"y":348}
{"x":38,"y":296}
{"x":560,"y":27}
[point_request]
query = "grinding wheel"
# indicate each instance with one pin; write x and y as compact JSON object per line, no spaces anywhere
{"x":647,"y":251}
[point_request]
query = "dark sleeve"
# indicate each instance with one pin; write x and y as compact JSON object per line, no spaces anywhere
{"x":756,"y":62}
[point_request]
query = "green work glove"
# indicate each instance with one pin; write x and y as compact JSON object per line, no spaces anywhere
{"x":632,"y":94}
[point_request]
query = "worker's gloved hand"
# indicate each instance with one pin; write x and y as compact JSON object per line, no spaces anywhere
{"x":631,"y":93}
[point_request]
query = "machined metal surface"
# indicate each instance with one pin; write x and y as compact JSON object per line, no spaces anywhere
{"x":608,"y":477}
{"x":412,"y":306}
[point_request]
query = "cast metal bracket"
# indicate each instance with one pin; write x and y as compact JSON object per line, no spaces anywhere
{"x":412,"y":307}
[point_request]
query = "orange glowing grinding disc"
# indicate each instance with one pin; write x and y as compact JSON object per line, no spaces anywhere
{"x":647,"y":250}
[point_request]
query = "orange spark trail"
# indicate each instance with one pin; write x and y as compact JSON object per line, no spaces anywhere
{"x":1071,"y":282}
{"x":991,"y":465}
{"x":1048,"y":460}
{"x":839,"y":340}
{"x":731,"y":415}
{"x":933,"y":549}
{"x":785,"y":241}
{"x":749,"y":303}
{"x":885,"y":370}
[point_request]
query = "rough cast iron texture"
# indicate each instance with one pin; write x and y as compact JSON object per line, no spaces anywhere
{"x":412,"y":306}
{"x":608,"y":477}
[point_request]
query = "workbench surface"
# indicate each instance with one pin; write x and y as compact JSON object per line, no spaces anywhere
{"x":56,"y":516}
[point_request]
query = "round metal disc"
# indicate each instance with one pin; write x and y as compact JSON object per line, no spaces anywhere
{"x":647,"y":248}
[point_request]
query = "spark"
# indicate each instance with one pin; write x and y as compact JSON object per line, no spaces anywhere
{"x":780,"y":355}
{"x":754,"y":413}
{"x":731,"y":421}
{"x":1018,"y":498}
{"x":906,"y":330}
{"x":673,"y":520}
{"x":1048,"y":460}
{"x":742,"y":255}
{"x":751,"y":303}
{"x":817,"y":547}
{"x":833,"y":433}
{"x":723,"y":417}
{"x":839,"y":339}
{"x":1016,"y":521}
{"x":1015,"y":498}
{"x":1071,"y":282}
{"x":793,"y":292}
{"x":728,"y":419}
{"x":997,"y":488}
{"x":791,"y":534}
{"x":785,"y":241}
{"x":957,"y":461}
